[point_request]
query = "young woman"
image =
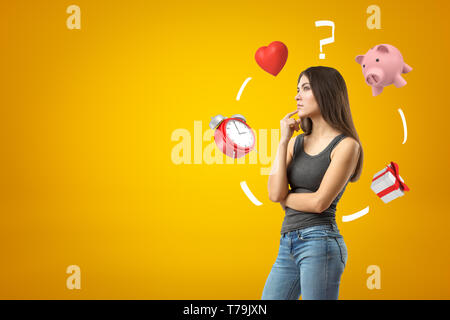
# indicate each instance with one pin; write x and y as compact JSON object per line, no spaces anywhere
{"x":317,"y":164}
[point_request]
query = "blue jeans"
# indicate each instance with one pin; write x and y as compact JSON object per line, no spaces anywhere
{"x":310,"y":263}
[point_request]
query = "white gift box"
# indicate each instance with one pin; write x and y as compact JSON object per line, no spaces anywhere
{"x":386,"y":185}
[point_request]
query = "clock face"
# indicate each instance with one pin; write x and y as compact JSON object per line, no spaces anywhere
{"x":239,"y":133}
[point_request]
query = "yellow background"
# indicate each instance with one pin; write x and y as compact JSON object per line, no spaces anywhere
{"x":86,"y":121}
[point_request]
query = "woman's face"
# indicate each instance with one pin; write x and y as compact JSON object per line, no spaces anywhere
{"x":306,"y":103}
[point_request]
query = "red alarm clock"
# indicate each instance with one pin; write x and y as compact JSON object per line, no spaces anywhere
{"x":233,"y":136}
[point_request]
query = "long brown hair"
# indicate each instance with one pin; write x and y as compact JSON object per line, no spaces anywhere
{"x":330,"y":92}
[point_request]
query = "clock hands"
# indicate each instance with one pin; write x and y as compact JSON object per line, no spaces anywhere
{"x":234,"y":122}
{"x":238,"y":129}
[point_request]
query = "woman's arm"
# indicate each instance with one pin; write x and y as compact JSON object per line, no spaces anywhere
{"x":278,"y":183}
{"x":306,"y":202}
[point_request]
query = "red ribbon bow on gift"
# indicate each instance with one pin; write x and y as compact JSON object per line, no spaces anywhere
{"x":393,"y":168}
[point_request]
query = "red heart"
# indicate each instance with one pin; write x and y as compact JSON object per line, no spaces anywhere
{"x":272,"y":58}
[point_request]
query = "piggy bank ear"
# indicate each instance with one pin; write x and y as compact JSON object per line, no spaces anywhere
{"x":383,"y":49}
{"x":359,"y":59}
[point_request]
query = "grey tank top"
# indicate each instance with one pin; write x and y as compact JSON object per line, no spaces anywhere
{"x":304,"y":174}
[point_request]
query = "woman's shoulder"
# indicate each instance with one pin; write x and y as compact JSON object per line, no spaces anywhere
{"x":350,"y":140}
{"x":347,"y":143}
{"x":344,"y":137}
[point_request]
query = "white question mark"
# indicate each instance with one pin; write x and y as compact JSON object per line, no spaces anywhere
{"x":325,"y":23}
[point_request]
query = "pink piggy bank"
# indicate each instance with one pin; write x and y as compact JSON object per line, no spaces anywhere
{"x":383,"y":65}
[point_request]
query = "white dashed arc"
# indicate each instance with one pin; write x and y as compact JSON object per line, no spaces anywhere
{"x":238,"y":97}
{"x":405,"y":128}
{"x":356,"y":215}
{"x":249,"y":194}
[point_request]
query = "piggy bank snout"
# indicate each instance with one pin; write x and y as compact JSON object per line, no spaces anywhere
{"x":374,"y":76}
